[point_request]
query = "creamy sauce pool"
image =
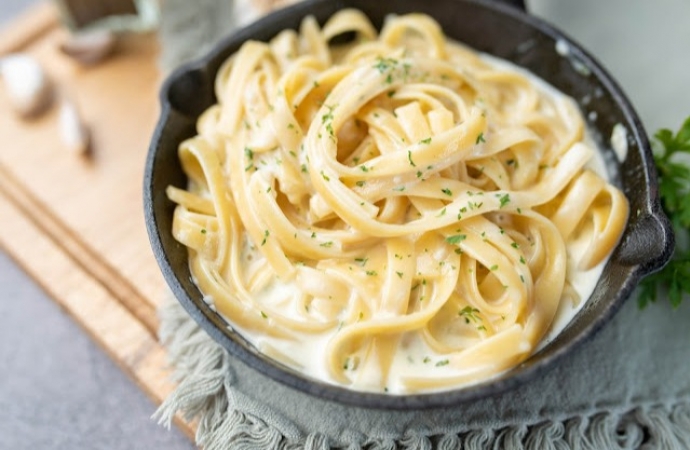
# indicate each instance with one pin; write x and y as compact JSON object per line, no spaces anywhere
{"x":414,"y":357}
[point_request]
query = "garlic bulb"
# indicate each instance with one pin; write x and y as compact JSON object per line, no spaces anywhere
{"x":28,"y":87}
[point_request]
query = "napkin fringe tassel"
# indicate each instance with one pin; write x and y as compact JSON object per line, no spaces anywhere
{"x":205,"y":393}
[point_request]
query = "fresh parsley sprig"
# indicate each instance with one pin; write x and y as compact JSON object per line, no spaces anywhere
{"x":672,"y":159}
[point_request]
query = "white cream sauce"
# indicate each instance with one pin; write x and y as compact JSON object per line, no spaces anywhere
{"x":563,"y":49}
{"x":619,"y":141}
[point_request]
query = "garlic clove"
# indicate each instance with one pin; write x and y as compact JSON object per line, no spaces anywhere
{"x":89,"y":47}
{"x":73,"y":131}
{"x":28,"y":87}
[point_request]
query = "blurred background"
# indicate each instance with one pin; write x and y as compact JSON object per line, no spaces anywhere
{"x":645,"y":45}
{"x":59,"y":390}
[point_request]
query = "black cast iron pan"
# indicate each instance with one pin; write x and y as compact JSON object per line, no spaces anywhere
{"x":503,"y":29}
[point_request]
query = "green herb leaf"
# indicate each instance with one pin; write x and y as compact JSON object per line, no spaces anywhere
{"x":384,"y":64}
{"x":456,"y":239}
{"x":409,"y":158}
{"x":671,"y":153}
{"x":470,"y":314}
{"x":504,"y":199}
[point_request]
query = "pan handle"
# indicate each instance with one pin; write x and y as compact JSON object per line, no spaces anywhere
{"x":519,"y":4}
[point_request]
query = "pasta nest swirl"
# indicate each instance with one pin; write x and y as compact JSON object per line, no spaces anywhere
{"x":396,"y":194}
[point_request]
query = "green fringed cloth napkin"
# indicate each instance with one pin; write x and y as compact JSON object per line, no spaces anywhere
{"x":628,"y":388}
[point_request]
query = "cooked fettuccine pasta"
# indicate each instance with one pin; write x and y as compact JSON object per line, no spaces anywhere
{"x":399,"y":213}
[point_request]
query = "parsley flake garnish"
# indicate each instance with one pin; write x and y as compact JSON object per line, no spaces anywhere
{"x":470,"y":314}
{"x":504,"y":199}
{"x":456,"y":239}
{"x":383,"y":64}
{"x":409,"y":158}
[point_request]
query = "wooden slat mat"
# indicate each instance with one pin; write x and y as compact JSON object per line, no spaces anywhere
{"x":76,"y":224}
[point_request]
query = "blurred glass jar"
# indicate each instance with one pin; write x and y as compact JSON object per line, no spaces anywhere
{"x":113,"y":15}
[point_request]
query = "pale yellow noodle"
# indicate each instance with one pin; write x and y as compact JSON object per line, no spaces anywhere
{"x":397,"y":194}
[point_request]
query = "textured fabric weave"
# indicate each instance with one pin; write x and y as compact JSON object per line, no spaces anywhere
{"x":628,"y":388}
